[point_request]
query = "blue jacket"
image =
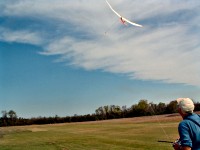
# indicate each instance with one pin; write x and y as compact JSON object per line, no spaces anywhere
{"x":190,"y":132}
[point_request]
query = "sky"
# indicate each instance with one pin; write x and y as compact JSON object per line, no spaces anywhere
{"x":67,"y":57}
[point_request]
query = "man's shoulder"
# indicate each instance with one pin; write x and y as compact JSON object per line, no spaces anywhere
{"x":183,"y":122}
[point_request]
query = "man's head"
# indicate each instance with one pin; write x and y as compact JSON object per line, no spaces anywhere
{"x":186,"y":105}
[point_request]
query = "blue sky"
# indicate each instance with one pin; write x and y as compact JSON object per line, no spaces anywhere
{"x":66,"y":57}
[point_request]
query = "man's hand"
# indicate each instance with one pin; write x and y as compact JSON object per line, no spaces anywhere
{"x":186,"y":148}
{"x":176,"y":146}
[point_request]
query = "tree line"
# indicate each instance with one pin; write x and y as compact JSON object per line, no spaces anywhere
{"x":143,"y":108}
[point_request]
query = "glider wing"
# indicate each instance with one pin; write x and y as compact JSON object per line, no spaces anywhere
{"x":135,"y":24}
{"x":132,"y":23}
{"x":113,"y":9}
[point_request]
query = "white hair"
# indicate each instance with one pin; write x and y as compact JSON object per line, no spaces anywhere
{"x":186,"y":105}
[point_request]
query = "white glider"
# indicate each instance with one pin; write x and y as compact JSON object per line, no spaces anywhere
{"x":123,"y":20}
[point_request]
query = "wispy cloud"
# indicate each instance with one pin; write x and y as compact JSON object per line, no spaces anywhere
{"x":166,"y":49}
{"x":23,"y":36}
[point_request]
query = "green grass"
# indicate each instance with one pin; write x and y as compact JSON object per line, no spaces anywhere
{"x":126,"y":134}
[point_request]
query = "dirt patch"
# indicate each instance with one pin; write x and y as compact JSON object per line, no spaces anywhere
{"x":160,"y":118}
{"x":37,"y":130}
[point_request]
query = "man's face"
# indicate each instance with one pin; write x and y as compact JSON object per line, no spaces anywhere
{"x":180,"y":112}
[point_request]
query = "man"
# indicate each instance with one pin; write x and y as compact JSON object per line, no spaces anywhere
{"x":189,"y":127}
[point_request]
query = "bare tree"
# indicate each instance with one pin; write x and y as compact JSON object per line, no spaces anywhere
{"x":12,"y":114}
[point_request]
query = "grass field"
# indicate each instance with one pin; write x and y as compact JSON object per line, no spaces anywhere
{"x":141,"y":133}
